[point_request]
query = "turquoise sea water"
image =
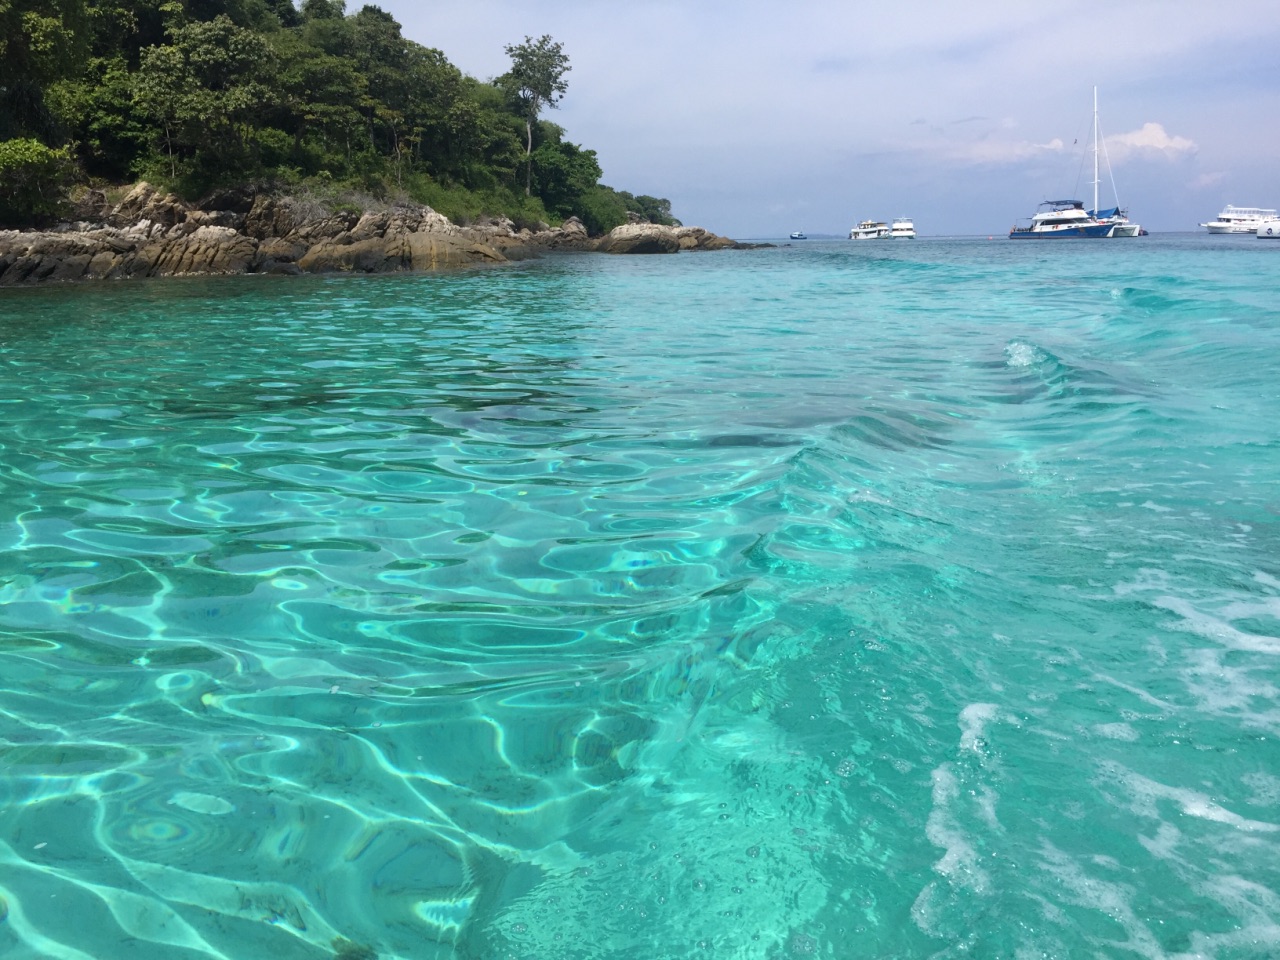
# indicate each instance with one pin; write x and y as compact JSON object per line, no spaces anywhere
{"x":837,"y":600}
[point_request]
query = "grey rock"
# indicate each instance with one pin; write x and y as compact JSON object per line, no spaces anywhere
{"x":641,"y":238}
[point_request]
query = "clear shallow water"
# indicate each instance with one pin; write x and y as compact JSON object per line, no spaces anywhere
{"x":845,"y":600}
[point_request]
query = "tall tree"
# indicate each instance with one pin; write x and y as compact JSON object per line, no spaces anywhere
{"x":207,"y":90}
{"x":535,"y":80}
{"x":41,"y":41}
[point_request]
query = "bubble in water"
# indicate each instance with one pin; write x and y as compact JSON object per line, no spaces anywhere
{"x":1020,"y":354}
{"x":802,"y":945}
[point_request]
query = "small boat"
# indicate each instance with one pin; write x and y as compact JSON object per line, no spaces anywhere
{"x":1269,"y":230}
{"x":869,"y":230}
{"x":903,"y":229}
{"x":1060,"y":219}
{"x":798,"y":235}
{"x":1239,"y":219}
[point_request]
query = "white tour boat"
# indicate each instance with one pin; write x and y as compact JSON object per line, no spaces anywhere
{"x":869,"y":230}
{"x":1269,"y":230}
{"x":902,"y":229}
{"x":1239,"y":219}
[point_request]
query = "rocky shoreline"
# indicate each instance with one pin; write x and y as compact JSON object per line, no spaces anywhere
{"x":152,"y":234}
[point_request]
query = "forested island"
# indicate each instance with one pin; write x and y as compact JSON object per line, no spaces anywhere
{"x":308,"y":101}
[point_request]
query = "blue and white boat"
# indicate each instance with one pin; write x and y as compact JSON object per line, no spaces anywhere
{"x":1060,"y":219}
{"x":798,"y":235}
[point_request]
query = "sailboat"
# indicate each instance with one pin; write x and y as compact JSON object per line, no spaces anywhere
{"x":1068,"y":218}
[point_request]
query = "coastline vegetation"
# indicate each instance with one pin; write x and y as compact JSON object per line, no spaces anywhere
{"x":200,"y":95}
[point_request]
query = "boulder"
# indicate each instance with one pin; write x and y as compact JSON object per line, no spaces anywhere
{"x":280,"y":250}
{"x":269,"y":217}
{"x":432,"y":250}
{"x":396,"y":250}
{"x":144,"y":202}
{"x":641,"y":238}
{"x":208,"y":250}
{"x":230,"y":199}
{"x":696,"y":238}
{"x":91,"y":207}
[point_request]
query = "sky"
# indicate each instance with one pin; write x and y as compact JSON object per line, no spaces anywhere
{"x":758,"y":118}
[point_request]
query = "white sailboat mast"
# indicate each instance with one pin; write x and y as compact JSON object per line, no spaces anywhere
{"x":1095,"y":151}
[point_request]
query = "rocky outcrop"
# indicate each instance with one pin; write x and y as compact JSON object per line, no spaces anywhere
{"x":696,"y":238}
{"x":150,"y":234}
{"x":641,"y":238}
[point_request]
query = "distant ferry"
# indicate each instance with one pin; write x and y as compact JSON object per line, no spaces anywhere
{"x":1239,"y":219}
{"x":902,"y":229}
{"x":869,"y":230}
{"x":798,"y":235}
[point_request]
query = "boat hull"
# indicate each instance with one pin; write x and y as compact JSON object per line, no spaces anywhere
{"x":1074,"y":232}
{"x":1270,"y":230}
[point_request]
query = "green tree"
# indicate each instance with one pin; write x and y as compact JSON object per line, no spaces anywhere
{"x":564,"y":173}
{"x":33,"y":179}
{"x":319,"y":102}
{"x":325,"y":27}
{"x":381,"y":55}
{"x":206,"y":90}
{"x":655,"y":210}
{"x":601,"y":209}
{"x":535,"y":80}
{"x":41,"y":41}
{"x":108,"y":132}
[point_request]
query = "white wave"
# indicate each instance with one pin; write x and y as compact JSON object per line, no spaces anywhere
{"x":1116,"y":731}
{"x":1145,"y":793}
{"x":1020,"y":354}
{"x":973,"y":725}
{"x":1111,"y":898}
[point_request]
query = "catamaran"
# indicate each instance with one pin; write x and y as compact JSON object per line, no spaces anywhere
{"x":1069,"y":218}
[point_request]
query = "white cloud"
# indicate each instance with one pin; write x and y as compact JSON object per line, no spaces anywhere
{"x":1207,"y":180}
{"x":1149,"y":138}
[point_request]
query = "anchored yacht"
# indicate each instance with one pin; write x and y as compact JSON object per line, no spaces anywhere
{"x":1068,"y":218}
{"x":1239,"y":219}
{"x":902,"y":229}
{"x":869,"y":230}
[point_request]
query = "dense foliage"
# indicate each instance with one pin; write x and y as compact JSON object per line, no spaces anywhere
{"x":201,"y":94}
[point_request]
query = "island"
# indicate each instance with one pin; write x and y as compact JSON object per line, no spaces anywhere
{"x":252,"y":136}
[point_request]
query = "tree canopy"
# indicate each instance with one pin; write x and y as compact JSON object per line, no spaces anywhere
{"x":202,"y":94}
{"x":536,"y":79}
